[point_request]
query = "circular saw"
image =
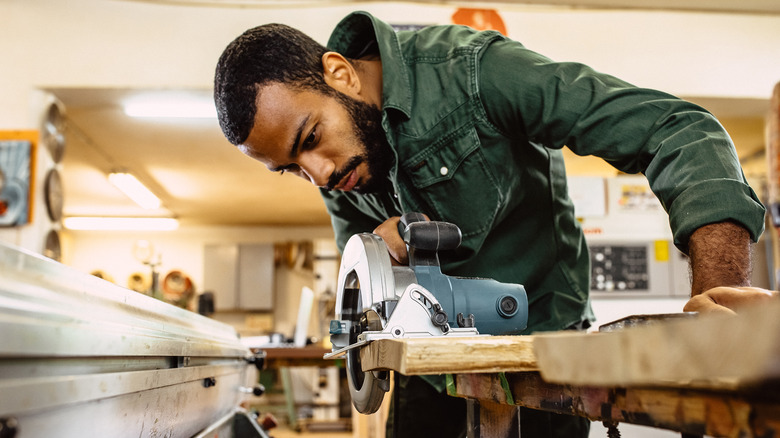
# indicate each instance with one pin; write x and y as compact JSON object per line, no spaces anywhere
{"x":376,"y":300}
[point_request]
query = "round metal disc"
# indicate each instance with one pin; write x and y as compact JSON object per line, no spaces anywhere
{"x":52,"y":131}
{"x":365,"y":279}
{"x":52,"y":248}
{"x":53,"y":194}
{"x":366,"y":388}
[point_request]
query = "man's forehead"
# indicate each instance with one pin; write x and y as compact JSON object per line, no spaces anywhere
{"x":275,"y":99}
{"x":276,"y":117}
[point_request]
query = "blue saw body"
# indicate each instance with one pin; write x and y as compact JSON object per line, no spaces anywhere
{"x":498,"y":308}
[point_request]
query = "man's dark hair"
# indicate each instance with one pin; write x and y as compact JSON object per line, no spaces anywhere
{"x":260,"y":56}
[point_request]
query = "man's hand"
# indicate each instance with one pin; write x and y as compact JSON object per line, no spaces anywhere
{"x":720,"y":270}
{"x":727,"y":300}
{"x":396,"y":246}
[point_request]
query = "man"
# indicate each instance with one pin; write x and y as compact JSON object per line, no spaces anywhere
{"x":467,"y":128}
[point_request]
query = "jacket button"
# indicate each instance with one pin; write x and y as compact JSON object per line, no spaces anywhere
{"x":444,"y":170}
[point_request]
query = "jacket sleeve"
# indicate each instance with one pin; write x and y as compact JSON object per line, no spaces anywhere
{"x":686,"y":155}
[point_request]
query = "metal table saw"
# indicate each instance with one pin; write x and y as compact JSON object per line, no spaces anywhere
{"x":80,"y":356}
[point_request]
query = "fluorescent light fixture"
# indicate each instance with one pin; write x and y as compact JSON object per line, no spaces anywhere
{"x":121,"y":223}
{"x":130,"y":186}
{"x":171,"y":107}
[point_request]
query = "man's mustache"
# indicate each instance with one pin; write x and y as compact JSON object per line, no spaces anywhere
{"x":337,"y":176}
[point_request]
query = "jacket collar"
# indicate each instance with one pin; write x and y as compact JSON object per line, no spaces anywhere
{"x":351,"y":37}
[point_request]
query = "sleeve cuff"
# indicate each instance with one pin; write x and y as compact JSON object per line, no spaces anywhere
{"x":714,"y":201}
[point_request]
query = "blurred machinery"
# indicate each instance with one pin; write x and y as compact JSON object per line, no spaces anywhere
{"x":630,"y":242}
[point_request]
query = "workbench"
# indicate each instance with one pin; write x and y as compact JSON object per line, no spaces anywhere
{"x":706,"y":375}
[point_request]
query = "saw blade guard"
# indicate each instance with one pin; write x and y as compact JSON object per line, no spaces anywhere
{"x":365,"y":266}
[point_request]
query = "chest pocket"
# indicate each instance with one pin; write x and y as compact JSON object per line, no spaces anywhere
{"x":453,"y":177}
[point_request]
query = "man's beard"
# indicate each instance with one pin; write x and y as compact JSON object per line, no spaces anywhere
{"x":377,"y":153}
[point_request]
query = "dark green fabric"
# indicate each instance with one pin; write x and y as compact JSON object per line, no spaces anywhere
{"x":477,"y":122}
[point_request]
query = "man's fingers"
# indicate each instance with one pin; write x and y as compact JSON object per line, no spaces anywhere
{"x":388,"y":231}
{"x":728,"y":299}
{"x":704,"y":304}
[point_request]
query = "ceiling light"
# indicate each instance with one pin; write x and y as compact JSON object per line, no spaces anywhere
{"x":171,"y":107}
{"x":133,"y":188}
{"x":121,"y":223}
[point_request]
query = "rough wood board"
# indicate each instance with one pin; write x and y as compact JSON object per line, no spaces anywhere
{"x":450,"y":355}
{"x":708,"y":351}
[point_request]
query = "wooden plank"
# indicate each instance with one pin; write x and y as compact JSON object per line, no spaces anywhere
{"x":705,"y":352}
{"x":714,"y":413}
{"x":443,"y":355}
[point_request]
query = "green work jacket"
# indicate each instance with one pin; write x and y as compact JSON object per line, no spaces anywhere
{"x":477,"y":123}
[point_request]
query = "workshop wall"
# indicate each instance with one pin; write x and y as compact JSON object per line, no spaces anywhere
{"x":113,"y":254}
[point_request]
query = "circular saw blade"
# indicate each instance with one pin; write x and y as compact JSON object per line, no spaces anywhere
{"x":365,"y":281}
{"x":367,"y":388}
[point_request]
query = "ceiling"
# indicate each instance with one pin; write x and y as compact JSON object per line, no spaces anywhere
{"x":731,"y":6}
{"x":202,"y":179}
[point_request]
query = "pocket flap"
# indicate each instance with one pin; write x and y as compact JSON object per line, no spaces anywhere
{"x":440,"y":161}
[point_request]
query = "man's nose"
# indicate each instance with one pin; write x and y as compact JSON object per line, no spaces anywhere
{"x":316,"y":168}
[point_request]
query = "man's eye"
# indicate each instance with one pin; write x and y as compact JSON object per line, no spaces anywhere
{"x":293,"y":168}
{"x":309,"y":141}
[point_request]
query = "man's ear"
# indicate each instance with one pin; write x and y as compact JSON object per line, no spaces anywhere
{"x":340,"y":74}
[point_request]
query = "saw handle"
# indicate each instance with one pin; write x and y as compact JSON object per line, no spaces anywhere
{"x":424,"y":238}
{"x":408,"y":218}
{"x":420,"y":233}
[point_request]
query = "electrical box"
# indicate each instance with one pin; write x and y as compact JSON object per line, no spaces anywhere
{"x":631,"y":249}
{"x":637,"y":269}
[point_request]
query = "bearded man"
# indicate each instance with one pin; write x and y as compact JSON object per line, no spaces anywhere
{"x":467,"y":127}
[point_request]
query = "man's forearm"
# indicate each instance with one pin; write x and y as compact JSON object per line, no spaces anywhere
{"x":720,"y":256}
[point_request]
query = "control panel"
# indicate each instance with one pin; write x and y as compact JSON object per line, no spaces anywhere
{"x":653,"y":268}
